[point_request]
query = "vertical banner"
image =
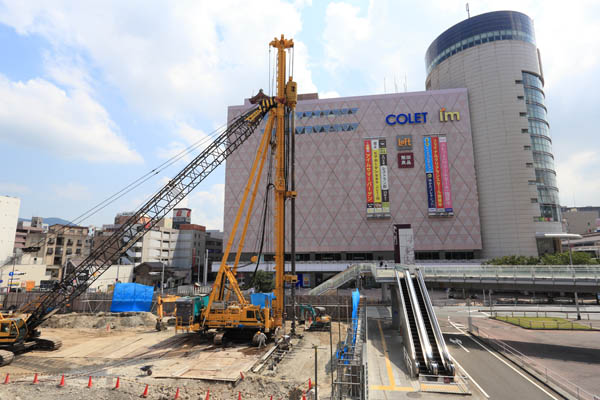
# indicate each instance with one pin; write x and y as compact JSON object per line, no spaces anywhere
{"x":377,"y":178}
{"x":429,"y":174}
{"x":437,"y":174}
{"x":385,"y":190}
{"x":369,"y":176}
{"x":376,"y":175}
{"x":445,"y":174}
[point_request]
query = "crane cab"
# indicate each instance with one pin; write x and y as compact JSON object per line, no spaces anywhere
{"x":12,"y":330}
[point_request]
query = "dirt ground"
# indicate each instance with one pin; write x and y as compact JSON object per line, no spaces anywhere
{"x":130,"y":343}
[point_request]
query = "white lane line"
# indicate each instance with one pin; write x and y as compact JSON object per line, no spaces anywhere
{"x":459,"y":342}
{"x":484,"y":313}
{"x":470,"y":378}
{"x":505,"y":362}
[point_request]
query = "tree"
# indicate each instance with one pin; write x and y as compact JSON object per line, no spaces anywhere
{"x":263,"y":282}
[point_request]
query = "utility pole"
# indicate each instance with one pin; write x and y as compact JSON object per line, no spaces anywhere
{"x":571,"y":263}
{"x":316,"y":378}
{"x":293,"y":215}
{"x":205,"y":272}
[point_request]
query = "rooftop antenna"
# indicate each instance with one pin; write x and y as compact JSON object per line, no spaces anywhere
{"x":395,"y":85}
{"x":384,"y":91}
{"x":405,"y":83}
{"x":468,"y":12}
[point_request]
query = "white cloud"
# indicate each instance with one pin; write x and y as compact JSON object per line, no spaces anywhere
{"x":579,"y":179}
{"x":168,"y":60}
{"x":70,"y":124}
{"x":207,"y":206}
{"x":8,"y":187}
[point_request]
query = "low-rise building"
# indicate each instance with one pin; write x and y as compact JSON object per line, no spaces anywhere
{"x":581,"y":222}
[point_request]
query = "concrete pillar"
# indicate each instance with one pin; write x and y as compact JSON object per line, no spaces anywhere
{"x":385,"y":292}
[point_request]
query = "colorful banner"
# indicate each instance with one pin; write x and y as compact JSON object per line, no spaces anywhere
{"x":445,"y":174}
{"x":376,"y":175}
{"x":383,"y":171}
{"x":429,"y":174}
{"x":437,"y":174}
{"x":369,"y":176}
{"x":377,"y":178}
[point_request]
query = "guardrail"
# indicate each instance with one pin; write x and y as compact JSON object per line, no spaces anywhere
{"x":343,"y":277}
{"x":553,"y":379}
{"x":514,"y":271}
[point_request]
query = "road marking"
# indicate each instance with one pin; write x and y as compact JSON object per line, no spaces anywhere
{"x":470,"y":378}
{"x":459,"y":342}
{"x":388,"y":364}
{"x":505,"y":362}
{"x":484,"y":313}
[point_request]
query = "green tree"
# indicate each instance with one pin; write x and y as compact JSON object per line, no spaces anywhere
{"x":579,"y":258}
{"x":263,"y":282}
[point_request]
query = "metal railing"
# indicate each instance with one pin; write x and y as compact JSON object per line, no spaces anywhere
{"x":553,"y":379}
{"x":343,"y":277}
{"x":564,"y":272}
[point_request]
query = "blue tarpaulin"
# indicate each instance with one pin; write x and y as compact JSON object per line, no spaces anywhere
{"x":341,"y":353}
{"x":262,"y":299}
{"x":131,"y":297}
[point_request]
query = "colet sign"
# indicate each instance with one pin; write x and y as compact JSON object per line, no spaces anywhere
{"x":409,"y":118}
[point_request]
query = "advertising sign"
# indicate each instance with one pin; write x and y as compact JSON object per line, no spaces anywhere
{"x":377,"y":178}
{"x":369,"y":176}
{"x":429,"y":174}
{"x":437,"y":172}
{"x":404,"y":142}
{"x":406,"y":160}
{"x":445,"y":169}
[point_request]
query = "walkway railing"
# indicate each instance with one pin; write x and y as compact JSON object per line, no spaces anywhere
{"x":565,"y":272}
{"x":343,"y":277}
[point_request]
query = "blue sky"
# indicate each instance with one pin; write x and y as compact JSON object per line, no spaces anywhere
{"x":95,"y":94}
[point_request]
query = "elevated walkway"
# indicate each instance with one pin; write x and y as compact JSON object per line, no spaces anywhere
{"x":549,"y":278}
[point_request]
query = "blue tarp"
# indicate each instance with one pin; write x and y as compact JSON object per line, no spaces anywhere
{"x":341,"y":353}
{"x":131,"y":297}
{"x":260,"y":299}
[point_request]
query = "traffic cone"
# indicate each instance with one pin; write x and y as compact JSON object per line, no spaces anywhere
{"x":35,"y":378}
{"x":239,"y":395}
{"x":118,"y":384}
{"x":176,"y":394}
{"x":303,"y":395}
{"x":7,"y":379}
{"x":271,"y":398}
{"x":207,"y":395}
{"x":242,"y":375}
{"x":309,"y":384}
{"x":62,"y":381}
{"x":89,"y":383}
{"x":145,"y":394}
{"x":107,"y":327}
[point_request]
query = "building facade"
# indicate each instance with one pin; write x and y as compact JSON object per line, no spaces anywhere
{"x":581,"y":222}
{"x":495,"y":57}
{"x":9,"y":215}
{"x":367,"y":164}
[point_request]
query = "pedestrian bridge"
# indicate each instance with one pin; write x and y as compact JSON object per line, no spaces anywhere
{"x":542,"y":278}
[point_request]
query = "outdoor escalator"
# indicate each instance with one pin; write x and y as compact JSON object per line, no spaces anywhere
{"x":414,"y":331}
{"x":428,"y":325}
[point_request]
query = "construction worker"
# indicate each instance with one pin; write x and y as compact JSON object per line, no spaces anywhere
{"x":262,"y":339}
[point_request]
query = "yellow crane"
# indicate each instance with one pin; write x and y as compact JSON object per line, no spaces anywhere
{"x":225,"y":313}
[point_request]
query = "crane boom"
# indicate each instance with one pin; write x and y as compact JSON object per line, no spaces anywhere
{"x":77,"y":281}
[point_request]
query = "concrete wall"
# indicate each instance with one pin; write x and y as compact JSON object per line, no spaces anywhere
{"x":489,"y":72}
{"x":22,"y":274}
{"x":9,"y":215}
{"x":581,"y":221}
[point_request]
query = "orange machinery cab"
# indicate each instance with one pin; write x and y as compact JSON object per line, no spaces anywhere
{"x":12,"y":330}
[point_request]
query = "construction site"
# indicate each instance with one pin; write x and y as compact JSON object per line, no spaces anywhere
{"x":336,"y":341}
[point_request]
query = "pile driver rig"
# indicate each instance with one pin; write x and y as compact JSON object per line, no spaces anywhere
{"x":19,"y":331}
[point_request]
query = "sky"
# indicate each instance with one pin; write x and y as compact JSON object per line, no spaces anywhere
{"x":96,"y":94}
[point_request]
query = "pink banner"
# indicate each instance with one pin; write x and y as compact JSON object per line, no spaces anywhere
{"x":445,"y":174}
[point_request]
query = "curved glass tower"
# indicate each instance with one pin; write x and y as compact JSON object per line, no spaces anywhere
{"x":495,"y":57}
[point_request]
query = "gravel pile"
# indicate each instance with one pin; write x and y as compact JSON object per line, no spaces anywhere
{"x":101,"y":320}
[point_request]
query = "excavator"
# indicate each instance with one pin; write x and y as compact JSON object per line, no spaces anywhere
{"x":19,"y":331}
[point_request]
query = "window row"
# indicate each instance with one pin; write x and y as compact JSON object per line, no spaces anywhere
{"x":541,"y":144}
{"x":479,"y":39}
{"x":543,"y":160}
{"x":548,"y":195}
{"x":545,"y":177}
{"x":539,"y":128}
{"x":326,"y":128}
{"x":535,"y":111}
{"x":530,"y":79}
{"x":535,"y":95}
{"x":550,"y":212}
{"x":326,"y":113}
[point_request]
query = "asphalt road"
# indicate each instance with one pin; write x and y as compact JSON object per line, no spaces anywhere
{"x":497,"y":377}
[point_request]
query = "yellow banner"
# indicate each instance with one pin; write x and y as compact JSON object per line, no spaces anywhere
{"x":376,"y":173}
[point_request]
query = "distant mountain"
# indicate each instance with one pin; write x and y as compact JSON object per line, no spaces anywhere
{"x":50,"y":221}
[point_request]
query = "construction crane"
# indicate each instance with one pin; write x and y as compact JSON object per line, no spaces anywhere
{"x":237,"y":316}
{"x":19,"y":331}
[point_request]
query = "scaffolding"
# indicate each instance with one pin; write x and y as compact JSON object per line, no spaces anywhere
{"x":350,"y":362}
